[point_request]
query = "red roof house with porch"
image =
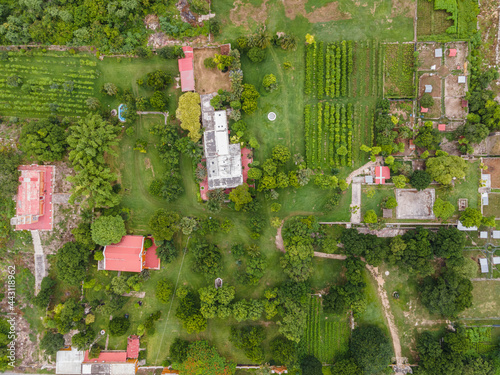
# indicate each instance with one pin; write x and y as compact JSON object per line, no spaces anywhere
{"x":186,"y":69}
{"x":129,"y":255}
{"x":34,"y":198}
{"x":382,"y":174}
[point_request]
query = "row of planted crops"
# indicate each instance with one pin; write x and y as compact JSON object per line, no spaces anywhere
{"x":37,"y":86}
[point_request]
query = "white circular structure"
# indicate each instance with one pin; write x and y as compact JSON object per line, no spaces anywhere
{"x":271,"y":116}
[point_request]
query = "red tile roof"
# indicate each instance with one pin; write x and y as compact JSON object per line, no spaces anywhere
{"x":187,"y":80}
{"x":424,"y":110}
{"x":169,"y":371}
{"x":151,"y":259}
{"x":382,"y":174}
{"x":34,"y":197}
{"x":453,"y":52}
{"x":442,"y":127}
{"x":125,"y":255}
{"x":107,"y":357}
{"x":133,"y":343}
{"x":412,"y":144}
{"x":185,"y":64}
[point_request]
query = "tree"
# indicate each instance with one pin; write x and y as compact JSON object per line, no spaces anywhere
{"x":249,"y":339}
{"x":93,"y":103}
{"x":14,"y":81}
{"x":345,"y":367}
{"x":448,"y":243}
{"x":489,"y":221}
{"x":428,"y":137}
{"x":170,"y":52}
{"x":269,"y":82}
{"x":164,"y":290}
{"x":107,"y":230}
{"x":391,"y":203}
{"x":72,"y":261}
{"x":42,"y":299}
{"x":83,"y":235}
{"x":164,"y":224}
{"x":118,"y":326}
{"x":254,"y":173}
{"x":447,"y":294}
{"x":179,"y":350}
{"x":158,"y":80}
{"x":443,"y":209}
{"x":281,"y":154}
{"x":119,"y":285}
{"x":51,"y":343}
{"x":204,"y":359}
{"x":399,"y":181}
{"x":240,"y":196}
{"x":188,"y":225}
{"x":189,"y":112}
{"x":471,"y":217}
{"x":83,"y":339}
{"x":208,"y":259}
{"x":420,"y":180}
{"x":158,"y":101}
{"x":110,"y":89}
{"x":426,"y":100}
{"x":310,"y":365}
{"x":167,"y":251}
{"x":284,"y":351}
{"x":256,"y":54}
{"x":473,"y":132}
{"x":43,"y":140}
{"x":370,"y":217}
{"x":9,"y":175}
{"x":249,"y":98}
{"x":370,"y":348}
{"x":444,"y":169}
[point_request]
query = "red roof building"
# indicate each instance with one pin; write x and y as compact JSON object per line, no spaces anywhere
{"x":412,"y":144}
{"x":186,"y":70}
{"x":34,"y":198}
{"x":129,"y":255}
{"x":453,"y":52}
{"x":442,"y":127}
{"x":133,"y":343}
{"x":382,"y":174}
{"x":424,"y":110}
{"x":116,"y":356}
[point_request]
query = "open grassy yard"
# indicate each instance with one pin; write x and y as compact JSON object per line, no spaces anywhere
{"x":484,"y":300}
{"x":373,"y":196}
{"x":467,"y":188}
{"x":493,"y":207}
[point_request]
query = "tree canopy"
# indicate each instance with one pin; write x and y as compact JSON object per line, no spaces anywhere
{"x":204,"y":359}
{"x":72,"y":261}
{"x":420,"y":179}
{"x":107,"y":230}
{"x":370,"y":348}
{"x":240,"y":196}
{"x":189,"y":112}
{"x":164,"y":224}
{"x":443,"y":169}
{"x":43,"y":140}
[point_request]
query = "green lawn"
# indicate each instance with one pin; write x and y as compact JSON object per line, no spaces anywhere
{"x":493,"y":207}
{"x":484,"y":300}
{"x":380,"y":192}
{"x":467,"y":188}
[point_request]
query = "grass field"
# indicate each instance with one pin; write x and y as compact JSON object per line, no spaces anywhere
{"x":484,"y":300}
{"x":467,"y":188}
{"x":398,"y":72}
{"x":431,"y":22}
{"x":493,"y":207}
{"x":380,"y":192}
{"x":46,"y":81}
{"x":326,"y":336}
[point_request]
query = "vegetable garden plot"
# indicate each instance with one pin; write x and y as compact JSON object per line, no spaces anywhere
{"x":399,"y":74}
{"x":42,"y":85}
{"x":325,"y":337}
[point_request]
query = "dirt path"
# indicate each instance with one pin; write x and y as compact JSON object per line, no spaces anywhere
{"x":362,"y":168}
{"x":40,"y":261}
{"x":356,"y":202}
{"x":330,"y":256}
{"x":279,"y":239}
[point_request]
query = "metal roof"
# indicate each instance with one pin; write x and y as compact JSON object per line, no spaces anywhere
{"x":496,"y":234}
{"x":461,"y":227}
{"x":428,"y":88}
{"x":496,"y":260}
{"x":438,"y":52}
{"x":487,"y":179}
{"x":69,"y":362}
{"x":484,"y":265}
{"x":461,"y":79}
{"x":483,"y":234}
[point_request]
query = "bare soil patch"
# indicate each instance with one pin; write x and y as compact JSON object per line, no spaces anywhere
{"x":426,"y":57}
{"x":414,"y":204}
{"x":493,"y":145}
{"x":453,"y":89}
{"x":152,"y":22}
{"x":458,"y":61}
{"x":208,"y":80}
{"x":434,"y":81}
{"x":403,"y":8}
{"x":434,"y":111}
{"x":494,"y":170}
{"x":329,"y":12}
{"x":242,"y":12}
{"x":453,"y":108}
{"x":450,"y":147}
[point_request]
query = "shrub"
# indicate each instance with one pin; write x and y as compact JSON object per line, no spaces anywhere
{"x":164,"y":291}
{"x":119,"y":326}
{"x":370,"y":217}
{"x":256,"y":54}
{"x":269,"y":82}
{"x":209,"y":63}
{"x":391,"y":203}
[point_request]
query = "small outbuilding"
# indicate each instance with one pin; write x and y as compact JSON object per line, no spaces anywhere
{"x":495,"y":234}
{"x":496,"y":260}
{"x":412,"y":144}
{"x":369,"y":180}
{"x":465,"y":103}
{"x":428,"y":88}
{"x":387,"y":213}
{"x":424,"y":110}
{"x":433,"y":67}
{"x":453,"y":52}
{"x":382,"y":174}
{"x":486,"y":178}
{"x":438,"y":52}
{"x":442,"y":127}
{"x":484,"y":265}
{"x":463,"y":228}
{"x":483,"y":235}
{"x":462,"y":79}
{"x":484,"y":199}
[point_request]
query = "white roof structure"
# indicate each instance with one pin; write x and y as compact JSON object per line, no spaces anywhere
{"x":428,"y":88}
{"x":223,"y":159}
{"x":483,"y":235}
{"x":487,"y":179}
{"x":463,"y":228}
{"x":461,"y":79}
{"x":433,"y":67}
{"x":496,"y":234}
{"x":484,"y":265}
{"x":438,"y":52}
{"x":108,"y":368}
{"x":484,"y":199}
{"x":69,"y":362}
{"x":496,"y":260}
{"x":369,"y":179}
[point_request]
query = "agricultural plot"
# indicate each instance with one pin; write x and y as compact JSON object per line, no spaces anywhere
{"x":328,"y":134}
{"x":430,"y":21}
{"x":41,"y":84}
{"x":399,"y":76}
{"x":368,"y":69}
{"x":325,"y":338}
{"x":481,"y":340}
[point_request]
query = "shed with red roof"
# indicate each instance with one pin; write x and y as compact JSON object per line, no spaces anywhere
{"x":424,"y":110}
{"x":453,"y":52}
{"x":186,"y":69}
{"x":129,"y":255}
{"x":382,"y":174}
{"x":442,"y":127}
